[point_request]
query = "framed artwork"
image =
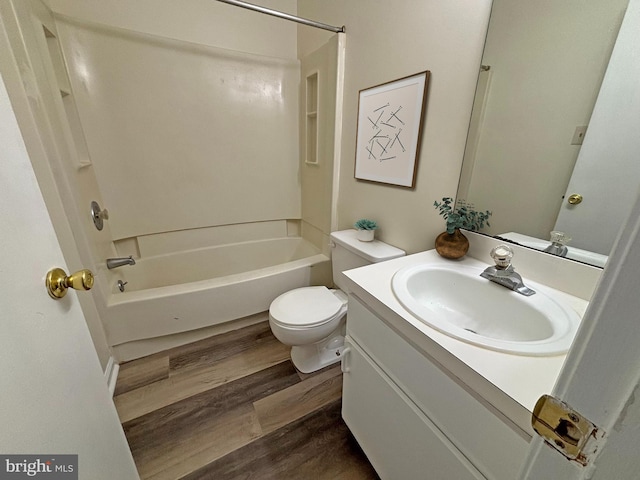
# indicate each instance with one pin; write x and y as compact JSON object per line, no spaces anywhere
{"x":390,"y":120}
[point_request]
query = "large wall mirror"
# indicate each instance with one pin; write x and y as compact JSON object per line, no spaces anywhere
{"x":543,"y":65}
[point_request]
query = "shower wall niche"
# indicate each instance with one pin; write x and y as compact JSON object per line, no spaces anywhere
{"x":311,"y":119}
{"x":82,"y":158}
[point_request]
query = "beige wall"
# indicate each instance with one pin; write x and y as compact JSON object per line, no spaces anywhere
{"x":390,"y":40}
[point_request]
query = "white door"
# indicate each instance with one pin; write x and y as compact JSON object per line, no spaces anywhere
{"x":601,"y":377}
{"x":53,"y":395}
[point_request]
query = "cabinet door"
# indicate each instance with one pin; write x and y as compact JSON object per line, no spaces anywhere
{"x":400,"y":442}
{"x":493,"y":446}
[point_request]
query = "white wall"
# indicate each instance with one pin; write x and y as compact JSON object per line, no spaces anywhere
{"x":547,"y":61}
{"x":390,"y":40}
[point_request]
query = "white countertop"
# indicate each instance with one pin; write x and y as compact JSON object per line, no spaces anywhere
{"x":509,"y":384}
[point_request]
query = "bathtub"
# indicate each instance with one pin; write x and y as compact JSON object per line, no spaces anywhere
{"x":189,"y":290}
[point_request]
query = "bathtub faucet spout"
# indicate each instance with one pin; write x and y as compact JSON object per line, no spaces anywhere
{"x":119,"y":262}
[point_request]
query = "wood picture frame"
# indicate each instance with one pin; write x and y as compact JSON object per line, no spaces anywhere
{"x":390,"y":118}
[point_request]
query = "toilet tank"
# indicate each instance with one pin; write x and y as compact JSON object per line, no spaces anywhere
{"x":348,"y":252}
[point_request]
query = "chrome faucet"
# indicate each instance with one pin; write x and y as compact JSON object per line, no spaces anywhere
{"x":558,"y":244}
{"x":119,"y":262}
{"x":503,"y":272}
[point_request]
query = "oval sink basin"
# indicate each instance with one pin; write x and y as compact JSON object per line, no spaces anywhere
{"x":459,"y":303}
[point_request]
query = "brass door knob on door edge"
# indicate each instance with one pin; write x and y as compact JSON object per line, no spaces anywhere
{"x":58,"y":282}
{"x":575,"y":199}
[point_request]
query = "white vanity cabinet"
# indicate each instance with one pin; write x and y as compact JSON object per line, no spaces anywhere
{"x":411,"y":418}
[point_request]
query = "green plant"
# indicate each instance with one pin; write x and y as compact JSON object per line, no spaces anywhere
{"x":462,"y":215}
{"x":364,"y":224}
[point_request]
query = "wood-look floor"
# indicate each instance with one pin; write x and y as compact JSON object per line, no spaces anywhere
{"x":234,"y":407}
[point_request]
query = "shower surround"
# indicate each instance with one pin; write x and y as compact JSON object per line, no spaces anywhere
{"x":187,"y":137}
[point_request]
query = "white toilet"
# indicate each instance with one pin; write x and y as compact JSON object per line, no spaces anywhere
{"x":312,"y":319}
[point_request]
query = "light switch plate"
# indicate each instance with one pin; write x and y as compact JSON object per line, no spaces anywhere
{"x":578,"y":135}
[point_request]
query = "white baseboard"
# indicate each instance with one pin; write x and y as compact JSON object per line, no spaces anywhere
{"x":111,"y":374}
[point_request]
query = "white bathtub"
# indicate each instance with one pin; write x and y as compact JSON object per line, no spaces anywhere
{"x":189,"y":290}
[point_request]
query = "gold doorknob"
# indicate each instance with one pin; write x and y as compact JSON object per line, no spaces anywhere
{"x":575,"y":199}
{"x":58,"y":282}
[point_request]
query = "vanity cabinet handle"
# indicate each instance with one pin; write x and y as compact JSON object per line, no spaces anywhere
{"x":343,"y":363}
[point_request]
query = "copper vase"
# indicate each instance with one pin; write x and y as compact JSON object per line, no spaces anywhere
{"x":452,"y":245}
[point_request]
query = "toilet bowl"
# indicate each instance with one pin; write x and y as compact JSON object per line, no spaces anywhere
{"x":312,"y":319}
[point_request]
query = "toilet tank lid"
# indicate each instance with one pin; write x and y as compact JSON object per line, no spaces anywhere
{"x":375,"y":251}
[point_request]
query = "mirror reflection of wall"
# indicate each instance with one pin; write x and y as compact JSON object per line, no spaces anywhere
{"x":543,"y":66}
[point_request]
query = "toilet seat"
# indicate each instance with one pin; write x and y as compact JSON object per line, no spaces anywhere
{"x":307,"y":307}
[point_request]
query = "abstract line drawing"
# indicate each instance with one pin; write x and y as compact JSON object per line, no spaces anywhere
{"x":396,"y":138}
{"x":375,"y":124}
{"x":387,"y":151}
{"x":394,"y":115}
